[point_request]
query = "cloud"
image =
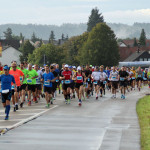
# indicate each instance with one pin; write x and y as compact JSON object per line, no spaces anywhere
{"x":128,"y":16}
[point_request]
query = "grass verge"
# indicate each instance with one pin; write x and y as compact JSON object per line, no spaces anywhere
{"x":143,"y":111}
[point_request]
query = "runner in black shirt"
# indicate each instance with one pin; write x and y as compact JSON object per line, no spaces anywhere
{"x":123,"y":76}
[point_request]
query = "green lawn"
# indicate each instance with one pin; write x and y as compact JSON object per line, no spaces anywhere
{"x":143,"y":111}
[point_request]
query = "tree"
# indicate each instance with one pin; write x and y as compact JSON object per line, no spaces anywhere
{"x":94,"y":18}
{"x":142,"y":39}
{"x":26,"y":49}
{"x":71,"y":49}
{"x":101,"y":47}
{"x":135,"y":43}
{"x":8,"y":34}
{"x":62,"y":37}
{"x":34,"y":38}
{"x":52,"y":54}
{"x":67,"y":37}
{"x":52,"y":37}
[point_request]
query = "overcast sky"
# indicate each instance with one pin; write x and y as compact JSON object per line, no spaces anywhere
{"x":57,"y":12}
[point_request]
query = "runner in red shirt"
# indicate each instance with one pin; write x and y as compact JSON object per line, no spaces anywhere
{"x":1,"y":68}
{"x":66,"y":77}
{"x":80,"y":78}
{"x":16,"y":73}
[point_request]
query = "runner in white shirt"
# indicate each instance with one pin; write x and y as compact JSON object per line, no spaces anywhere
{"x":38,"y":82}
{"x":114,"y":81}
{"x":96,"y":77}
{"x":103,"y":77}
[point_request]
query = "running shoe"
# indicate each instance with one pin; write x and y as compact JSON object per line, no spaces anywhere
{"x":74,"y":96}
{"x":29,"y":103}
{"x":68,"y":101}
{"x":112,"y":96}
{"x":47,"y":105}
{"x":122,"y":96}
{"x":16,"y":107}
{"x":80,"y":103}
{"x":21,"y":104}
{"x":97,"y":98}
{"x":7,"y":118}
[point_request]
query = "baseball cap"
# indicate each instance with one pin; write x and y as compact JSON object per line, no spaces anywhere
{"x":74,"y":67}
{"x":6,"y":68}
{"x":78,"y":68}
{"x":66,"y":66}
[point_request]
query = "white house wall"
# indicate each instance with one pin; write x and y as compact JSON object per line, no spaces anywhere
{"x":10,"y":54}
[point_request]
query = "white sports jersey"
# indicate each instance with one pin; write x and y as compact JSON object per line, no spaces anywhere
{"x":96,"y":75}
{"x":114,"y":76}
{"x":103,"y":76}
{"x":40,"y":73}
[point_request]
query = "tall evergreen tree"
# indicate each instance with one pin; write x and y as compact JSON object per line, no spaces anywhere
{"x":67,"y":37}
{"x":52,"y":37}
{"x":62,"y":37}
{"x":135,"y":42}
{"x":8,"y":34}
{"x":94,"y":18}
{"x":34,"y":38}
{"x":142,"y":39}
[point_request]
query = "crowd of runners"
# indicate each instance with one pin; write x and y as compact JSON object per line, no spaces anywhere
{"x":28,"y":83}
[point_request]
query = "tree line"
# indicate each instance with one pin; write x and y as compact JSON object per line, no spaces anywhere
{"x":98,"y":45}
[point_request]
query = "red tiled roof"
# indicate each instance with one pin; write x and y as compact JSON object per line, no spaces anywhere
{"x":125,"y":52}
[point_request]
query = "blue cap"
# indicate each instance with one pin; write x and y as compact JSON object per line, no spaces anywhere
{"x":70,"y":67}
{"x":6,"y":68}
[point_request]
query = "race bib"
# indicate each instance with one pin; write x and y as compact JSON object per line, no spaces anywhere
{"x":46,"y":83}
{"x":104,"y":82}
{"x":67,"y":82}
{"x":29,"y":80}
{"x":5,"y":91}
{"x":133,"y":78}
{"x":139,"y":76}
{"x":144,"y":78}
{"x":95,"y":82}
{"x":88,"y":79}
{"x":79,"y":77}
{"x":57,"y":80}
{"x":12,"y":87}
{"x":113,"y":77}
{"x":21,"y":79}
{"x":37,"y":80}
{"x":86,"y":85}
{"x":121,"y":79}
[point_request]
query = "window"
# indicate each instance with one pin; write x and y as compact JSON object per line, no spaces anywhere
{"x":145,"y":59}
{"x":141,"y":59}
{"x":148,"y":59}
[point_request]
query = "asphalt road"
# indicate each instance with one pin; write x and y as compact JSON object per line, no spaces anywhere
{"x":103,"y":124}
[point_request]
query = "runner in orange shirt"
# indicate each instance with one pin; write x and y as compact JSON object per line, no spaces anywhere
{"x":17,"y":74}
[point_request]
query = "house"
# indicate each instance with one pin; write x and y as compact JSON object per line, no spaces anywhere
{"x":10,"y":54}
{"x":8,"y":43}
{"x":139,"y":56}
{"x":127,"y":48}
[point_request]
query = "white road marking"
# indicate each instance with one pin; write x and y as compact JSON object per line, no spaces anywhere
{"x":30,"y":118}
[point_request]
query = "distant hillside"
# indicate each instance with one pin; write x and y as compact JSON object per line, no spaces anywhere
{"x":43,"y":31}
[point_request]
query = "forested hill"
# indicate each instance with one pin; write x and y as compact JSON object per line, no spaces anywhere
{"x":43,"y":31}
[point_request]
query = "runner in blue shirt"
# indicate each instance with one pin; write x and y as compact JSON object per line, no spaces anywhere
{"x":48,"y":78}
{"x":6,"y":80}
